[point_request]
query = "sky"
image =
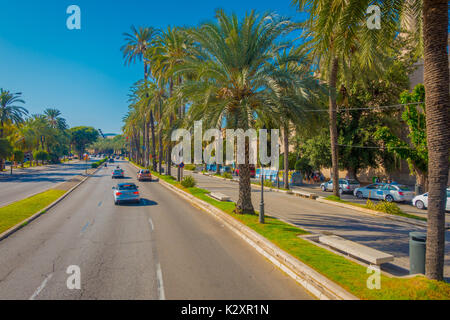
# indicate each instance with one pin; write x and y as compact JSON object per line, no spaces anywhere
{"x":81,"y":72}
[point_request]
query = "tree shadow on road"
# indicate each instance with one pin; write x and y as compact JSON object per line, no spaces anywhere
{"x":143,"y":203}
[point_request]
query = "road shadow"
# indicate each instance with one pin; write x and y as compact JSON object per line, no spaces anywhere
{"x":143,"y":203}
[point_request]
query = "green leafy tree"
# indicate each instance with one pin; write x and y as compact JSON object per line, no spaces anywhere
{"x":414,"y":150}
{"x":81,"y":137}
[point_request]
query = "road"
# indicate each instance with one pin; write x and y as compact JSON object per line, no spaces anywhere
{"x":26,"y":182}
{"x":377,"y":232}
{"x":163,"y":248}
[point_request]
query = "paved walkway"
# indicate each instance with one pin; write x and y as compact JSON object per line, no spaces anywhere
{"x":376,"y":232}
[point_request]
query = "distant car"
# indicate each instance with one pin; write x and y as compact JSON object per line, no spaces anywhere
{"x":126,"y":192}
{"x":421,"y":201}
{"x":252,"y":171}
{"x":345,"y":185}
{"x":225,"y":169}
{"x":396,"y":192}
{"x":369,"y":192}
{"x":144,"y":174}
{"x":117,"y":173}
{"x":111,"y":160}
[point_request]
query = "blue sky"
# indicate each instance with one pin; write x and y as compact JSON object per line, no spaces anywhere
{"x":81,"y":72}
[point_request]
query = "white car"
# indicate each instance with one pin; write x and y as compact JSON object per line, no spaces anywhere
{"x":395,"y":192}
{"x":421,"y":201}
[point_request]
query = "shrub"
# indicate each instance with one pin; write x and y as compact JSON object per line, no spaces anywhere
{"x":188,"y":182}
{"x":384,"y":206}
{"x":227,"y":175}
{"x":268,"y":183}
{"x":190,"y":167}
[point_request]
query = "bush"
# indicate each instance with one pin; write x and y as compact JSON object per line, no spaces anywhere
{"x":98,"y":163}
{"x":268,"y":183}
{"x":190,"y":167}
{"x":384,"y":206}
{"x":227,"y":175}
{"x":188,"y":182}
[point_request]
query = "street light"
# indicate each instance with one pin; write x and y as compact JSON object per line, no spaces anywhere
{"x":261,"y":204}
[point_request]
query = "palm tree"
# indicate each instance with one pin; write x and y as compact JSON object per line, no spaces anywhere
{"x":54,"y":119}
{"x":337,"y":34}
{"x":10,"y":112}
{"x":137,"y":43}
{"x":229,"y":63}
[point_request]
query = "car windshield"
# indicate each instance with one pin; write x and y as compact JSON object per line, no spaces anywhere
{"x":127,"y":187}
{"x":404,"y":188}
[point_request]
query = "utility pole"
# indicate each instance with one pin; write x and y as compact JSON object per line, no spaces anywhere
{"x":261,"y":204}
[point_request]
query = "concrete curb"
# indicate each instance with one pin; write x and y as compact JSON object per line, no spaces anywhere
{"x":23,"y":223}
{"x":412,"y":221}
{"x":317,"y":284}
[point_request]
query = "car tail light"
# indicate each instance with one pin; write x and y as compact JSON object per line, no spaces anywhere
{"x":136,"y":192}
{"x":348,"y":187}
{"x":401,"y":193}
{"x":118,"y":193}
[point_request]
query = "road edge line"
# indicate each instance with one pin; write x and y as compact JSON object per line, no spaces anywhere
{"x":25,"y":222}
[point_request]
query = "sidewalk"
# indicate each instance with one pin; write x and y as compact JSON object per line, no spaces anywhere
{"x":377,"y":232}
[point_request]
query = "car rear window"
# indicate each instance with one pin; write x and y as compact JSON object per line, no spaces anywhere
{"x":127,"y":187}
{"x":145,"y":171}
{"x":353,"y":182}
{"x":404,"y":188}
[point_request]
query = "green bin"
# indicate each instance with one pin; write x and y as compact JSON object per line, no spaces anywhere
{"x":417,"y":246}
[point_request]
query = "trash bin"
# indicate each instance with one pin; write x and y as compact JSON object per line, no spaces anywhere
{"x":417,"y":245}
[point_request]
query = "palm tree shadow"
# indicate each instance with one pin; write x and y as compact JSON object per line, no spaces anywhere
{"x":143,"y":203}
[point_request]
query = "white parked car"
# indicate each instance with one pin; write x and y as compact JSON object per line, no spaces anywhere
{"x":395,"y":192}
{"x":421,"y":201}
{"x":345,"y":185}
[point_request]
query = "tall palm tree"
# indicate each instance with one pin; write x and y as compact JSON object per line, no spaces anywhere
{"x":229,"y":64}
{"x":336,"y":33}
{"x":54,"y":119}
{"x":10,"y":112}
{"x":136,"y":44}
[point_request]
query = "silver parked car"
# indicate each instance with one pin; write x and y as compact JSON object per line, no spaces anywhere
{"x":126,"y":192}
{"x":369,"y":192}
{"x":345,"y":185}
{"x":396,"y":192}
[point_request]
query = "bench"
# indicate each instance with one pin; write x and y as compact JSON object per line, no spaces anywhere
{"x":357,"y":250}
{"x":219,"y":196}
{"x":305,"y":194}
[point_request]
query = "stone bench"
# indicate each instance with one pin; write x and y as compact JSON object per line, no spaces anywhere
{"x":219,"y":196}
{"x":357,"y":250}
{"x":305,"y":194}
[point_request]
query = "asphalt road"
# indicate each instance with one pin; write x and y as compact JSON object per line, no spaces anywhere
{"x":163,"y":248}
{"x":26,"y":182}
{"x":376,"y":232}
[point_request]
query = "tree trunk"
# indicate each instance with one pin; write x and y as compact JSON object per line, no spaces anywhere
{"x":437,"y":104}
{"x":160,"y":155}
{"x":152,"y":127}
{"x":286,"y":156}
{"x":244,"y":203}
{"x":333,"y":125}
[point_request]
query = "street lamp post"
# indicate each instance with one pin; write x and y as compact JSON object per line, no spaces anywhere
{"x":261,"y":204}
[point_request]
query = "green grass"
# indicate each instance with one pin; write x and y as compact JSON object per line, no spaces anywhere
{"x":377,"y":207}
{"x":18,"y":211}
{"x":348,"y":274}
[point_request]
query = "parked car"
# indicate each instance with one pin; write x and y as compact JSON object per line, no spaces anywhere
{"x":117,"y":173}
{"x":369,"y":192}
{"x":126,"y":192}
{"x":345,"y":185}
{"x":111,"y":160}
{"x":396,"y":192}
{"x":421,"y":201}
{"x":225,"y":169}
{"x":252,"y":171}
{"x":144,"y":174}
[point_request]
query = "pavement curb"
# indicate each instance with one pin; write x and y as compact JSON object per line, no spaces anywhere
{"x":314,"y":282}
{"x":23,"y":223}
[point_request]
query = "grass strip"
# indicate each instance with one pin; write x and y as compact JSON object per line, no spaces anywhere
{"x":348,"y":274}
{"x":18,"y":211}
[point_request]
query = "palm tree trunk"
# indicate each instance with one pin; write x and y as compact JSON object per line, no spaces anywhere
{"x":333,"y":125}
{"x":152,"y":128}
{"x":244,"y":203}
{"x":286,"y":156}
{"x":437,"y":105}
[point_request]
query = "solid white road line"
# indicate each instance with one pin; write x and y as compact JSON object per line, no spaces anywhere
{"x":151,"y":223}
{"x":160,"y":283}
{"x":42,"y":286}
